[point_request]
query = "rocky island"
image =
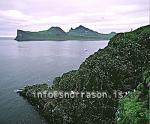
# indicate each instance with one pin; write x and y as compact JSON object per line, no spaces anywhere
{"x":124,"y":65}
{"x":57,"y":34}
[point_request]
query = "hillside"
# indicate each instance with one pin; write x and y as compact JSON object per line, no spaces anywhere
{"x":83,"y":33}
{"x":54,"y":33}
{"x":120,"y":67}
{"x":57,"y":34}
{"x":134,"y":108}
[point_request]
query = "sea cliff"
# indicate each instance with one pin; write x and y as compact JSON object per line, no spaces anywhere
{"x":57,"y":34}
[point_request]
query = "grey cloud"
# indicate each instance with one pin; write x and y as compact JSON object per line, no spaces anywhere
{"x":99,"y":15}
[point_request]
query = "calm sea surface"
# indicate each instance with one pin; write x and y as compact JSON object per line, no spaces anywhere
{"x":23,"y":63}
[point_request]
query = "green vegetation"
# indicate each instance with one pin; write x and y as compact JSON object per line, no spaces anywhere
{"x":133,"y":108}
{"x":57,"y":34}
{"x":119,"y":66}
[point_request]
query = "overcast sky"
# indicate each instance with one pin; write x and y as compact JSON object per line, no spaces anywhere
{"x":100,"y":15}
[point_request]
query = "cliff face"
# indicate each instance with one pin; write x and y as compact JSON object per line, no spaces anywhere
{"x":56,"y":34}
{"x":119,"y":66}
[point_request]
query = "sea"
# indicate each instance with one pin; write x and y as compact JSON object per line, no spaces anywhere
{"x":34,"y":62}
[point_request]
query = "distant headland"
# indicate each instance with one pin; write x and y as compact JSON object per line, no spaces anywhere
{"x":57,"y":34}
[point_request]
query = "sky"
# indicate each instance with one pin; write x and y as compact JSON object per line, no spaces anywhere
{"x":104,"y":16}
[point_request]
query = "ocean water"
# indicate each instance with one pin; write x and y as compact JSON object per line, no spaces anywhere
{"x":27,"y":63}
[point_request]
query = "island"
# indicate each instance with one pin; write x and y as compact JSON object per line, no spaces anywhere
{"x":57,"y":34}
{"x":122,"y":66}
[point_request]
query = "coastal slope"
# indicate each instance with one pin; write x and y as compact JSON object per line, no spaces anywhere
{"x":121,"y":66}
